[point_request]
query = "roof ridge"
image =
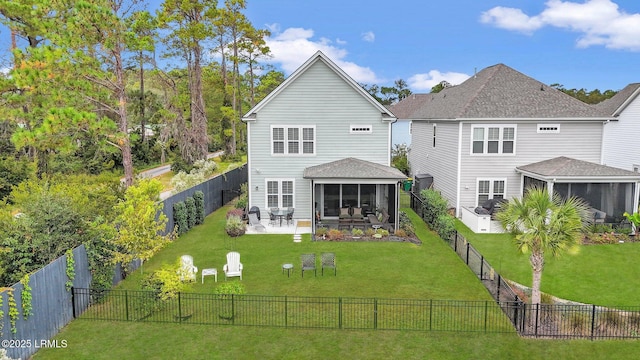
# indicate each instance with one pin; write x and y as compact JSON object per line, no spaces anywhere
{"x":481,"y":87}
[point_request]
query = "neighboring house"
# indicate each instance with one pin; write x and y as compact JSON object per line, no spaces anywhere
{"x":620,"y":144}
{"x":501,"y":131}
{"x":319,"y":142}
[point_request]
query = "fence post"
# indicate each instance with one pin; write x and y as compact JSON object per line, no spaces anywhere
{"x":375,"y":313}
{"x":515,"y":313}
{"x":340,"y":313}
{"x":455,"y":243}
{"x":430,"y":314}
{"x":468,"y":246}
{"x":126,"y":304}
{"x":179,"y":308}
{"x":73,"y":301}
{"x":233,"y":310}
{"x":486,"y":315}
{"x":286,"y":312}
{"x":498,"y":288}
{"x":535,"y":330}
{"x":481,"y":267}
{"x":593,"y":320}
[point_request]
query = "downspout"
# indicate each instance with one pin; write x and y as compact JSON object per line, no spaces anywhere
{"x":249,"y":167}
{"x":602,"y":139}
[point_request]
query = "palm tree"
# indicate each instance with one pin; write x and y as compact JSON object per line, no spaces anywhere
{"x":544,"y":223}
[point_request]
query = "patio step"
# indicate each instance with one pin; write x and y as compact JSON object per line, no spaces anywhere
{"x":297,"y":238}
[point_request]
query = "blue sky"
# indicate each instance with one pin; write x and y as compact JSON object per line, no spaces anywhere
{"x":591,"y":44}
{"x":579,"y":44}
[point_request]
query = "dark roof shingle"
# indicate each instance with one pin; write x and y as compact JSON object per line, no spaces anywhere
{"x":498,"y":92}
{"x":352,"y":168}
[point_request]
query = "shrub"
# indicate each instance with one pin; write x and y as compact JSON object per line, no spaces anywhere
{"x":357,"y":232}
{"x":235,"y":226}
{"x":335,"y":234}
{"x":235,"y":212}
{"x":405,"y":223}
{"x":383,"y":232}
{"x":444,"y":226}
{"x":180,"y":217}
{"x":201,"y":171}
{"x":190,"y":205}
{"x":321,"y":231}
{"x":243,"y":199}
{"x":198,"y":198}
{"x":369,"y":232}
{"x":434,"y":205}
{"x":401,"y":233}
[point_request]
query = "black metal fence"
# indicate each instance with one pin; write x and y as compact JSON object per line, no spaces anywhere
{"x":543,"y":320}
{"x":294,"y":311}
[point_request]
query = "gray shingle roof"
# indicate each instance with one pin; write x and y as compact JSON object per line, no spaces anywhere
{"x":610,"y":106}
{"x":567,"y":167}
{"x":352,"y":168}
{"x":498,"y":92}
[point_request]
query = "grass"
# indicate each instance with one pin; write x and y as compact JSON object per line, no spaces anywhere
{"x":394,"y":270}
{"x":605,"y":275}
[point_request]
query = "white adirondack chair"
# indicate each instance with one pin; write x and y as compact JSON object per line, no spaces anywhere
{"x":233,"y":267}
{"x":187,"y":270}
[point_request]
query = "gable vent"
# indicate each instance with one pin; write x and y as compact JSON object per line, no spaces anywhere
{"x":361,"y":129}
{"x":548,"y":128}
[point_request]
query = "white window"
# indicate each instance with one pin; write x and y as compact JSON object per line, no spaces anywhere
{"x":434,"y":135}
{"x":492,"y":139}
{"x":490,"y":189}
{"x":279,"y":193}
{"x":360,"y":129}
{"x":548,"y":128}
{"x":293,"y":140}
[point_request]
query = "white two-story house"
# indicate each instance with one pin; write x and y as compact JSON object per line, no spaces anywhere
{"x":501,"y":131}
{"x":320,"y":142}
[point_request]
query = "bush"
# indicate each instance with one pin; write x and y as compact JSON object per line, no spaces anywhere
{"x":382,"y":232}
{"x":405,"y":223}
{"x":235,"y":212}
{"x":180,"y":217}
{"x":198,"y":198}
{"x":243,"y":199}
{"x":357,"y":232}
{"x":434,"y":205}
{"x":190,"y":205}
{"x":444,"y":226}
{"x":235,"y":226}
{"x":321,"y":231}
{"x":401,"y":233}
{"x":335,"y":234}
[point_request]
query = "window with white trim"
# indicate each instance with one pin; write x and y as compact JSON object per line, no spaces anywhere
{"x":490,"y":189}
{"x":280,"y":193}
{"x":293,"y":140}
{"x":493,"y":139}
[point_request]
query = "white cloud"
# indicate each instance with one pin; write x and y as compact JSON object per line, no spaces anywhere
{"x":511,"y":19}
{"x":293,"y":46}
{"x":369,"y":36}
{"x":598,"y":22}
{"x":425,"y":81}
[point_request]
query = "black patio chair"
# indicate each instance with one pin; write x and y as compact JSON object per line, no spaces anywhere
{"x":328,"y":261}
{"x":308,"y":263}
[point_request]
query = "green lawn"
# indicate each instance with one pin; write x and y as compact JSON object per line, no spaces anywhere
{"x":376,"y":269}
{"x":605,"y":275}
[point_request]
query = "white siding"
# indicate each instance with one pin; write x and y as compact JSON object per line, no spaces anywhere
{"x":578,"y":140}
{"x":620,"y":140}
{"x":322,"y":98}
{"x":440,"y":161}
